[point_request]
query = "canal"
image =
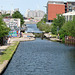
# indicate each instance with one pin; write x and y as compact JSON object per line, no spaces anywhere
{"x":42,"y":57}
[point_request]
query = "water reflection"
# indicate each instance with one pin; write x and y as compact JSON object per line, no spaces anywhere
{"x":71,"y":57}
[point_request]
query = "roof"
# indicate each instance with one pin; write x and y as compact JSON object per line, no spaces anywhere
{"x":69,"y":13}
{"x":55,"y":2}
{"x":59,"y":2}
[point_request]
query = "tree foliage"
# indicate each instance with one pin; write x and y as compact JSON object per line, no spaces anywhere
{"x":44,"y":18}
{"x":68,"y":29}
{"x":57,"y":23}
{"x":43,"y":26}
{"x":17,"y":14}
{"x":4,"y":30}
{"x":5,"y":15}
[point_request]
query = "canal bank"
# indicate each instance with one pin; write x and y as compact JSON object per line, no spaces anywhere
{"x":7,"y":55}
{"x":9,"y":50}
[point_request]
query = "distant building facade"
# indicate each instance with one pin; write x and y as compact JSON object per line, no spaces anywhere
{"x":69,"y":6}
{"x":9,"y":11}
{"x":36,"y":13}
{"x":58,"y":7}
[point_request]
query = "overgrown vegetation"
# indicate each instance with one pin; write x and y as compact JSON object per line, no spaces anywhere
{"x":43,"y":26}
{"x":68,"y":29}
{"x":7,"y":54}
{"x":4,"y":30}
{"x":60,"y":26}
{"x":5,"y":15}
{"x":57,"y":24}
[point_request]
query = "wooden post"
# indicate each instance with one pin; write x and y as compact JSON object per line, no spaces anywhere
{"x":42,"y":35}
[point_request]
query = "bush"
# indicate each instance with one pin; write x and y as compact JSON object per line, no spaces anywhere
{"x":68,"y":29}
{"x":57,"y":24}
{"x":43,"y":26}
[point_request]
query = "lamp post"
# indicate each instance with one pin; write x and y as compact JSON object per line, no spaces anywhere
{"x":42,"y":35}
{"x":57,"y":29}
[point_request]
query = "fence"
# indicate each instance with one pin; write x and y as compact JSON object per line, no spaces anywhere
{"x":70,"y":40}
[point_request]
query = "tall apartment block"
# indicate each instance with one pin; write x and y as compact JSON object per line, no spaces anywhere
{"x":69,"y":6}
{"x":58,"y":7}
{"x":34,"y":13}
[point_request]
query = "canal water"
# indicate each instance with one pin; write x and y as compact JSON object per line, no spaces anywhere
{"x":32,"y":28}
{"x":42,"y":57}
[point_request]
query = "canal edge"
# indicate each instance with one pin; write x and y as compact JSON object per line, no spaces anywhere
{"x":7,"y":62}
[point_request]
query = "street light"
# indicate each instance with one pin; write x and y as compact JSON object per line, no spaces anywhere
{"x":57,"y":29}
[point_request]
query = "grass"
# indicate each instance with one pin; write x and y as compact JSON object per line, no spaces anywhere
{"x":53,"y":36}
{"x":8,"y":53}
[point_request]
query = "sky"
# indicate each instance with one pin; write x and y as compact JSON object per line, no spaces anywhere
{"x":23,"y":5}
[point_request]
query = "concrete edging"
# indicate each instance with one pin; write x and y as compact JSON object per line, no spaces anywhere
{"x":6,"y":62}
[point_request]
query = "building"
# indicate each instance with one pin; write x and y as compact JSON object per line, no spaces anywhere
{"x":58,"y":7}
{"x":3,"y":11}
{"x":69,"y":6}
{"x":69,"y":15}
{"x":31,"y":14}
{"x":34,"y":13}
{"x":9,"y":11}
{"x":39,"y":13}
{"x":16,"y":9}
{"x":14,"y":25}
{"x":54,"y":8}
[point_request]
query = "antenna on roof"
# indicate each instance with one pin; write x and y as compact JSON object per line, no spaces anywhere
{"x":11,"y":11}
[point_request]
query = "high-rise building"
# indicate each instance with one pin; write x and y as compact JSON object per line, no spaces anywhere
{"x":58,"y":7}
{"x":54,"y":8}
{"x":35,"y":13}
{"x":69,"y":6}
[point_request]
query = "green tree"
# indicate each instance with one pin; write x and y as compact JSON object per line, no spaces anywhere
{"x":4,"y":30}
{"x":57,"y":23}
{"x":5,"y":15}
{"x":68,"y":29}
{"x":17,"y":14}
{"x":44,"y":19}
{"x":43,"y":26}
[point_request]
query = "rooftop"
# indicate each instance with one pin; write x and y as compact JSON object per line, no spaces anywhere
{"x":69,"y":13}
{"x":58,"y":2}
{"x":55,"y":2}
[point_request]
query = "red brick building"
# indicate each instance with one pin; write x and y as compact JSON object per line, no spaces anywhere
{"x":54,"y":9}
{"x":58,"y":7}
